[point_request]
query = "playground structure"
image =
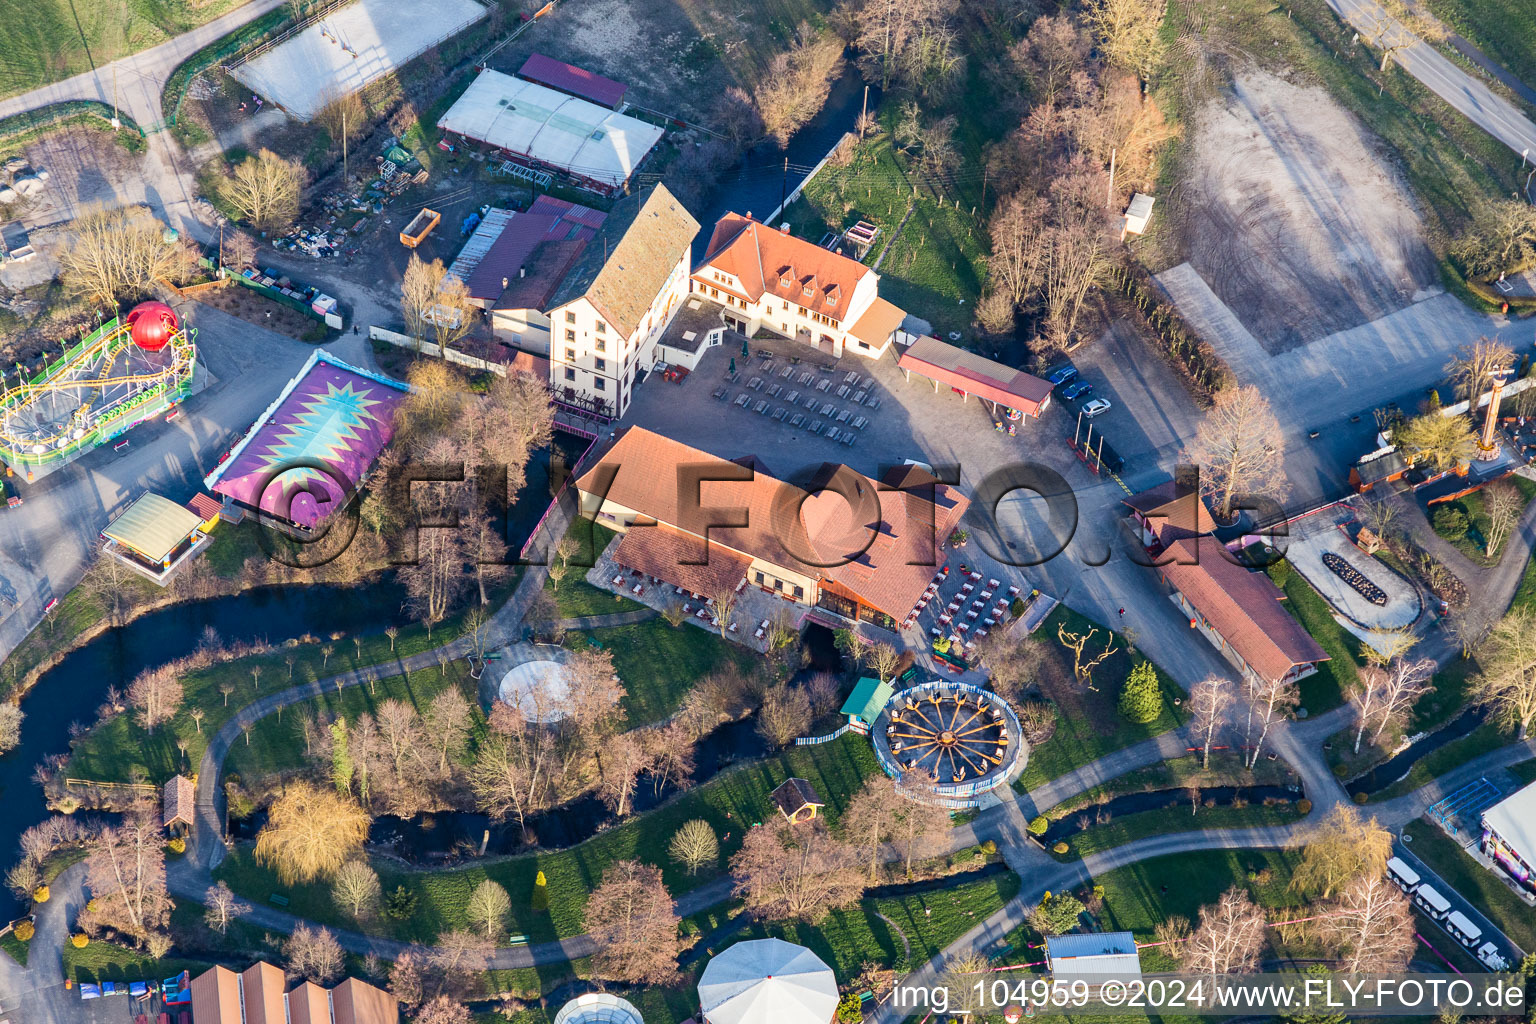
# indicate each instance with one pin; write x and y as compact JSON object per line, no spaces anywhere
{"x":948,"y":743}
{"x":119,"y":375}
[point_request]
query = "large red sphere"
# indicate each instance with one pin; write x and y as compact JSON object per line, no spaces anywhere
{"x":151,"y":325}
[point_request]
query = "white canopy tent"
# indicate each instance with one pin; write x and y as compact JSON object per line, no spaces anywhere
{"x":767,"y":981}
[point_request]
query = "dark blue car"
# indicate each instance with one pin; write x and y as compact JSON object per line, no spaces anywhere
{"x":1077,"y":389}
{"x":1061,"y":374}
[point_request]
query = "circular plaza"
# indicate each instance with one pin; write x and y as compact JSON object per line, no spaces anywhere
{"x":959,"y":740}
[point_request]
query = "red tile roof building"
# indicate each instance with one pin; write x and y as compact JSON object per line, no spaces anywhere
{"x":859,"y":548}
{"x":179,"y":800}
{"x":1239,"y":611}
{"x":1169,"y":511}
{"x":256,"y":996}
{"x":772,"y":280}
{"x":969,"y":374}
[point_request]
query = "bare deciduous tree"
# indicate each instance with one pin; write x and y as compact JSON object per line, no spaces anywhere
{"x":356,"y":889}
{"x":11,"y":717}
{"x":1507,"y":684}
{"x":1386,"y":694}
{"x":220,"y":906}
{"x":797,"y":82}
{"x":631,"y":918}
{"x":622,"y":759}
{"x":923,"y":823}
{"x":435,"y":303}
{"x":1502,"y":236}
{"x":125,"y":871}
{"x":1017,"y":264}
{"x":488,"y":908}
{"x":872,"y":818}
{"x":513,"y":772}
{"x":800,"y":872}
{"x":1209,"y":700}
{"x":1503,"y":503}
{"x":1274,"y":700}
{"x":314,"y":953}
{"x":1054,"y":50}
{"x":887,"y":29}
{"x":1372,"y":926}
{"x":118,"y":254}
{"x":785,"y":714}
{"x":1229,"y":938}
{"x":1012,"y":661}
{"x":265,"y":189}
{"x":1128,"y":32}
{"x":1239,"y":449}
{"x":694,"y":845}
{"x":1342,"y":846}
{"x":1472,"y":369}
{"x":443,"y":1010}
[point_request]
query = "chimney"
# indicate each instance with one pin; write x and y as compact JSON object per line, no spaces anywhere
{"x":522,"y":272}
{"x":504,"y":283}
{"x":784,"y":228}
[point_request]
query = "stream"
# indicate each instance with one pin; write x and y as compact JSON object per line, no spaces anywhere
{"x":1163,"y":799}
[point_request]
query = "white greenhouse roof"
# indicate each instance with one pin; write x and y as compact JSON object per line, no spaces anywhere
{"x":598,"y":1008}
{"x":1093,"y":953}
{"x":767,"y":981}
{"x":1514,"y":819}
{"x":560,"y":131}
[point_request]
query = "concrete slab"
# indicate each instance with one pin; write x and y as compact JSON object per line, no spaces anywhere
{"x":351,"y":47}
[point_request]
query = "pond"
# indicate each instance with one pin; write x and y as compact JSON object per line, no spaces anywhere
{"x":442,"y":836}
{"x":1163,"y":799}
{"x":71,"y":690}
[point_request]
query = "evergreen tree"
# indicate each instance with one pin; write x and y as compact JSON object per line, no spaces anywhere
{"x":1141,"y":699}
{"x":540,"y":901}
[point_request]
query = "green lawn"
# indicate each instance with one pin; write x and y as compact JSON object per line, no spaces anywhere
{"x":14,"y":948}
{"x":1484,"y":738}
{"x":575,"y":596}
{"x":659,"y":663}
{"x":1525,"y":771}
{"x":1475,"y":509}
{"x":1525,"y":593}
{"x":731,"y":802}
{"x":114,"y":751}
{"x":1326,"y":688}
{"x":1088,"y":723}
{"x":1130,"y":827}
{"x":1474,"y":881}
{"x":50,"y":40}
{"x":935,"y":267}
{"x":101,"y":960}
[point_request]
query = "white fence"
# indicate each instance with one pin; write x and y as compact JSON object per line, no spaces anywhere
{"x":429,"y":348}
{"x":811,"y":741}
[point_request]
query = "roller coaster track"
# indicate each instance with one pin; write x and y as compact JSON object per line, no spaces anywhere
{"x":77,"y":374}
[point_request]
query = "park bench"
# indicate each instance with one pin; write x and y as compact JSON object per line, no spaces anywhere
{"x":518,"y":940}
{"x":277,"y":899}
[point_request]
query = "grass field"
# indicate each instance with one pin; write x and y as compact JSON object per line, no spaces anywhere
{"x":1327,"y":687}
{"x":1475,"y":509}
{"x":575,"y":596}
{"x":14,"y":948}
{"x":1088,"y":724}
{"x":659,"y":663}
{"x":1474,"y":882}
{"x":107,"y":961}
{"x":49,"y":40}
{"x":1227,"y":769}
{"x":731,"y":803}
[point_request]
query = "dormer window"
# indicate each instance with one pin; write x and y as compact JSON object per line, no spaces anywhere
{"x":787,"y":277}
{"x":810,"y":287}
{"x":832,"y":295}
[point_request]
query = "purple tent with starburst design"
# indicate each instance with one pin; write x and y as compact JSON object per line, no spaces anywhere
{"x":309,"y":452}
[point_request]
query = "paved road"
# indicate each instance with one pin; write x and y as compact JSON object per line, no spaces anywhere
{"x":1488,"y":110}
{"x":1491,"y":932}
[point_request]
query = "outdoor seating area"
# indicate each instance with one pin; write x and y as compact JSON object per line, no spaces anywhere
{"x":781,"y":385}
{"x":961,"y":605}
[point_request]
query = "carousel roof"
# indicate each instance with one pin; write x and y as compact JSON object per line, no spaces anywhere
{"x":767,"y":981}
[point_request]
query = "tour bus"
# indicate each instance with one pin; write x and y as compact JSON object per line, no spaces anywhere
{"x":1434,"y":905}
{"x":1462,"y":929}
{"x":1403,"y":876}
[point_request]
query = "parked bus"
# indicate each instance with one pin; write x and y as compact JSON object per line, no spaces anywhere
{"x":1430,"y":901}
{"x":1403,"y":876}
{"x":1462,"y":928}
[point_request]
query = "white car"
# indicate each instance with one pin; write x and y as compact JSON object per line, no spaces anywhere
{"x":1095,"y":407}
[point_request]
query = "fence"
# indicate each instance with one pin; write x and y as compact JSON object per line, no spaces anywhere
{"x":429,"y":348}
{"x":806,"y":180}
{"x":812,"y":741}
{"x":332,"y":320}
{"x":960,"y":795}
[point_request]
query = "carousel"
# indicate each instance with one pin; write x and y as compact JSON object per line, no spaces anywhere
{"x":958,"y":740}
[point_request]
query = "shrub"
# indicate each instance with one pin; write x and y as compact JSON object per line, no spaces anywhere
{"x":177,"y":845}
{"x":1039,"y":826}
{"x":1141,"y":699}
{"x":92,"y":905}
{"x":40,"y":894}
{"x":1017,"y":607}
{"x":400,"y":904}
{"x":989,"y":848}
{"x":23,"y":931}
{"x":1340,"y":770}
{"x":1450,"y":522}
{"x":79,"y":940}
{"x":1060,"y":848}
{"x":1304,"y":806}
{"x":1362,"y":797}
{"x":540,"y":898}
{"x":850,"y":1009}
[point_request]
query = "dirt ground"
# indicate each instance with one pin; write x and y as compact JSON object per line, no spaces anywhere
{"x":1294,"y":219}
{"x":86,"y":168}
{"x":258,"y":309}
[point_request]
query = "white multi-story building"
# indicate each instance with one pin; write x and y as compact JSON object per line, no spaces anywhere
{"x":773,"y":281}
{"x":613,"y":306}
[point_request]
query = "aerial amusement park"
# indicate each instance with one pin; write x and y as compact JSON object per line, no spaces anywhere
{"x":126,"y":371}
